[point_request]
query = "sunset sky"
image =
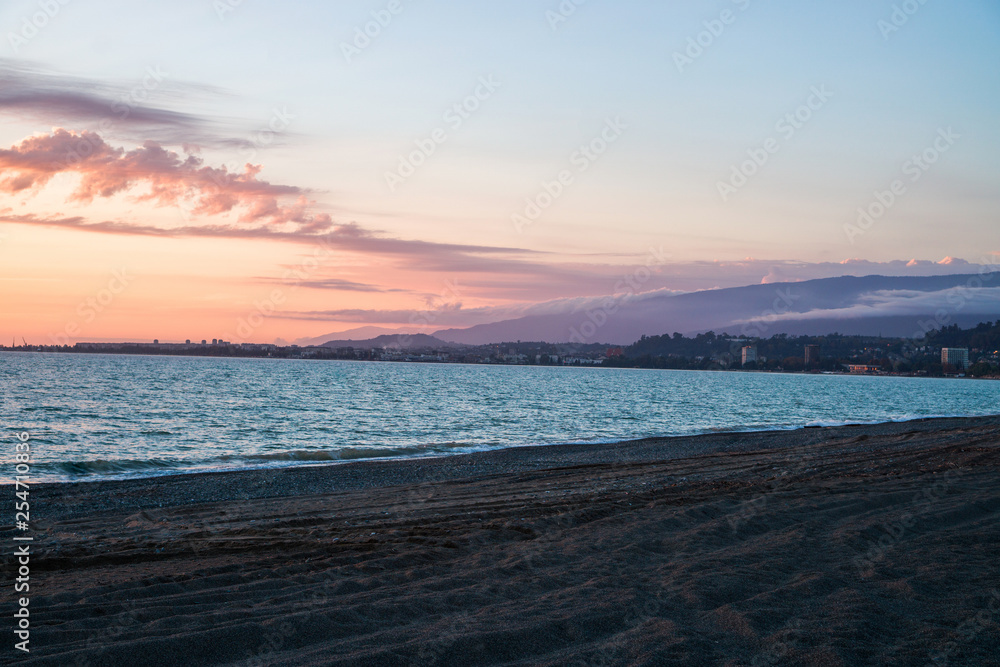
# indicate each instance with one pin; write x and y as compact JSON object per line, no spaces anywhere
{"x":172,"y":170}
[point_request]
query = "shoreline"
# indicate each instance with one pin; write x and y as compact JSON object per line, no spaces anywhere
{"x":181,"y":473}
{"x":519,"y":458}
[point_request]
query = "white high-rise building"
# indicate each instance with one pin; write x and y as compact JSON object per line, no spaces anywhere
{"x":749,"y":354}
{"x":956,"y":357}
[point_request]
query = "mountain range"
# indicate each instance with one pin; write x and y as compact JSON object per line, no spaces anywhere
{"x":868,"y":305}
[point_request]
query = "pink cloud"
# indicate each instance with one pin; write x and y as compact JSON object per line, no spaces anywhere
{"x":164,"y":177}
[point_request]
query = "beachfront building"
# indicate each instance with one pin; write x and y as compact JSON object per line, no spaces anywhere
{"x":812,"y":355}
{"x":749,"y":354}
{"x":956,"y":357}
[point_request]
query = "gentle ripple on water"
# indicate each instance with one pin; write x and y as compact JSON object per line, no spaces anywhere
{"x":100,"y":416}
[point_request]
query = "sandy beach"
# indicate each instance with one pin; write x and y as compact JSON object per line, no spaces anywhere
{"x":852,"y":545}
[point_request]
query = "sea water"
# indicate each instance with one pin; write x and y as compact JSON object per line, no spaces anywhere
{"x":111,"y":416}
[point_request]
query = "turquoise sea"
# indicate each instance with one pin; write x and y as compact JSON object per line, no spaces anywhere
{"x":106,"y":416}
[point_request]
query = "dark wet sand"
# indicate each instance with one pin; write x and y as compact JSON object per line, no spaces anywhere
{"x":858,"y":545}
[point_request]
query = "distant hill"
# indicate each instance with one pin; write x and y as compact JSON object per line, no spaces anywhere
{"x":402,"y":341}
{"x":361,"y":333}
{"x":869,"y":305}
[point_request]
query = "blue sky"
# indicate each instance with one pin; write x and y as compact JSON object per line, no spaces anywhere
{"x":658,"y":184}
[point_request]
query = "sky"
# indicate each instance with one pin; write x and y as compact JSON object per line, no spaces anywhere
{"x":260,"y":171}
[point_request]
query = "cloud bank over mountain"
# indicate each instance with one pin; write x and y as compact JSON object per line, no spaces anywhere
{"x":870,"y":305}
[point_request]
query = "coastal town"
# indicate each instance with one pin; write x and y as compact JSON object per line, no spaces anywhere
{"x":950,"y":351}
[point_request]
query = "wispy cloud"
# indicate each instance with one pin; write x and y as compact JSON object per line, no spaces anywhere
{"x":414,"y":254}
{"x":336,"y":285}
{"x":122,"y":108}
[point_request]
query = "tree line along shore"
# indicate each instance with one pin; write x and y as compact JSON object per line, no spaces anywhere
{"x":705,"y":351}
